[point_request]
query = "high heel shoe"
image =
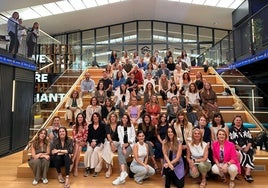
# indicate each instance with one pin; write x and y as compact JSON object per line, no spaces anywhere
{"x":67,"y":183}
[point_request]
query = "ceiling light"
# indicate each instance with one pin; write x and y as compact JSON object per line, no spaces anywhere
{"x":28,"y":13}
{"x":113,"y":1}
{"x":41,"y":10}
{"x":90,"y":3}
{"x":198,"y":2}
{"x":225,"y":3}
{"x":53,"y":8}
{"x":77,"y":4}
{"x":236,"y":4}
{"x":102,"y":2}
{"x":65,"y":6}
{"x":186,"y":1}
{"x":211,"y":2}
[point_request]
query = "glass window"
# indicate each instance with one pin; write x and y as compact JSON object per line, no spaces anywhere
{"x":174,"y":34}
{"x":145,"y":31}
{"x":88,"y":37}
{"x":159,"y":32}
{"x":102,"y":36}
{"x":102,"y":55}
{"x":116,"y":34}
{"x":61,"y":38}
{"x":205,"y":34}
{"x":219,"y":34}
{"x":87,"y":55}
{"x":189,"y":34}
{"x":74,"y":38}
{"x":130,"y":33}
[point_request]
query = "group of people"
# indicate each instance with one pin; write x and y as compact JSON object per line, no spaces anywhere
{"x":181,"y":149}
{"x":17,"y":32}
{"x":144,"y":132}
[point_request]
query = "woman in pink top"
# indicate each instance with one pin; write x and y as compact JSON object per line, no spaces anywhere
{"x":225,"y":158}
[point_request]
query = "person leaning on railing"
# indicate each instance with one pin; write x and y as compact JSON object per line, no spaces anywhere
{"x":12,"y":29}
{"x":31,"y":39}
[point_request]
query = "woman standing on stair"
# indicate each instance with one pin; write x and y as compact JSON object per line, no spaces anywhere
{"x":80,"y":133}
{"x":39,"y":161}
{"x":61,"y":150}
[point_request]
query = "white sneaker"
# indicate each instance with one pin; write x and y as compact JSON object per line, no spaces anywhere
{"x":45,"y":181}
{"x":35,"y":182}
{"x":123,"y":175}
{"x":117,"y":181}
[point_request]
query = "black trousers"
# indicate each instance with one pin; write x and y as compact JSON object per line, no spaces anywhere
{"x":62,"y":160}
{"x":14,"y":43}
{"x":30,"y":48}
{"x":172,"y":178}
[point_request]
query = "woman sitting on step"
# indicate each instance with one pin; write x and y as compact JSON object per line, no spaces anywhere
{"x":39,"y":161}
{"x":126,"y":134}
{"x":73,"y":106}
{"x":111,"y":142}
{"x":139,"y":166}
{"x":80,"y":132}
{"x":62,"y":150}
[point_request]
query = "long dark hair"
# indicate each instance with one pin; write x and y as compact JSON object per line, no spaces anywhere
{"x":128,"y":120}
{"x":173,"y":144}
{"x":214,"y":122}
{"x":66,"y":135}
{"x":84,"y":123}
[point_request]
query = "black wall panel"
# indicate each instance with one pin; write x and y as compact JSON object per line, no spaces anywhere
{"x":6,"y":77}
{"x":24,"y":88}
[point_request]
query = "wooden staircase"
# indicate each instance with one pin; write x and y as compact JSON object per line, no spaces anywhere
{"x":224,"y":102}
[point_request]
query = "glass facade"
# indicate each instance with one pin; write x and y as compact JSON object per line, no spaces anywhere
{"x":95,"y":45}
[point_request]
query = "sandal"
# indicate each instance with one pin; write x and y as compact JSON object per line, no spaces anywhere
{"x":223,"y":178}
{"x":231,"y":184}
{"x":60,"y":178}
{"x":203,"y":184}
{"x":67,"y":183}
{"x":156,"y":167}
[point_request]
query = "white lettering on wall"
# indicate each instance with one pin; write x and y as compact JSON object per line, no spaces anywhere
{"x":41,"y":78}
{"x":49,"y":97}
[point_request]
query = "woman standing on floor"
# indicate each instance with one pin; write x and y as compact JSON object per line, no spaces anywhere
{"x":173,"y":163}
{"x":39,"y":161}
{"x":139,"y":166}
{"x":61,"y":150}
{"x":80,"y":133}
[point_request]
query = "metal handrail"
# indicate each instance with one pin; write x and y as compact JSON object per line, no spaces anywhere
{"x":59,"y":105}
{"x":244,"y":106}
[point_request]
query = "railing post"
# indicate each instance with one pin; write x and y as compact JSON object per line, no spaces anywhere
{"x":253,"y":100}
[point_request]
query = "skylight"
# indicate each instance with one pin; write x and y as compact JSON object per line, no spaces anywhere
{"x":232,"y":4}
{"x":58,"y":7}
{"x":63,"y":6}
